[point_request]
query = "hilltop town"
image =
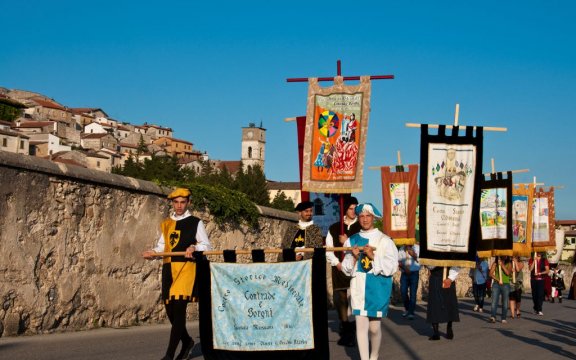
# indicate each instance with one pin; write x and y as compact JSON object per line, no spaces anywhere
{"x":37,"y":125}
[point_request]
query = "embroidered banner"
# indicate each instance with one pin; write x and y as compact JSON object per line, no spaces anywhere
{"x":450,"y":172}
{"x":400,"y":198}
{"x":264,"y":310}
{"x":253,"y":306}
{"x":543,"y":234}
{"x":495,"y":209}
{"x":335,"y":139}
{"x":522,"y":200}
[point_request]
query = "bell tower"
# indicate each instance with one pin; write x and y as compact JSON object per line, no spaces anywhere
{"x":253,"y":146}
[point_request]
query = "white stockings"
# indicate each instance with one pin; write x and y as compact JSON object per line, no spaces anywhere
{"x":368,"y":332}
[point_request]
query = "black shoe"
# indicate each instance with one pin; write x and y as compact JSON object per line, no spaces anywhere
{"x":434,"y":337}
{"x":449,"y":334}
{"x":186,"y":350}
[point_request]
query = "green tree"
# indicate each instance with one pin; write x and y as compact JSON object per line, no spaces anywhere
{"x":253,"y":184}
{"x":10,"y":110}
{"x":282,"y":202}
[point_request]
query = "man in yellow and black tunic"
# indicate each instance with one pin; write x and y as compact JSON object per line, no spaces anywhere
{"x":179,"y":232}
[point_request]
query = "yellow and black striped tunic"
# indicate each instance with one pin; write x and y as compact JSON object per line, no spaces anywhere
{"x":178,"y":272}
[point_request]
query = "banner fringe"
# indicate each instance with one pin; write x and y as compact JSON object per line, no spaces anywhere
{"x":447,"y":263}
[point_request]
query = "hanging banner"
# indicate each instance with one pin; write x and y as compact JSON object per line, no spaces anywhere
{"x":450,"y":173}
{"x":335,"y":139}
{"x":400,"y":198}
{"x":543,"y":233}
{"x":522,"y":200}
{"x":253,"y":306}
{"x":495,"y":238}
{"x":264,"y":310}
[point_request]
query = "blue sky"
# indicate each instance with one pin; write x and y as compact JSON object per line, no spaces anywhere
{"x":206,"y":70}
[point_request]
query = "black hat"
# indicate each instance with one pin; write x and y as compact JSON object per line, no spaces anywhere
{"x":350,"y":201}
{"x":304,"y":205}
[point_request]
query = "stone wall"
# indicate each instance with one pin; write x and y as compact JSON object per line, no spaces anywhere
{"x":71,"y":241}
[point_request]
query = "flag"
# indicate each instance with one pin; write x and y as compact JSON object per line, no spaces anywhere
{"x":450,"y":171}
{"x":543,"y":233}
{"x":400,"y":198}
{"x":495,"y":236}
{"x":264,"y":310}
{"x":522,"y":200}
{"x":335,"y":136}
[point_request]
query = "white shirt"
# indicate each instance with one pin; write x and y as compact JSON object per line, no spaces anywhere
{"x":452,"y":273}
{"x":385,"y":256}
{"x":330,"y":257}
{"x":203,"y":243}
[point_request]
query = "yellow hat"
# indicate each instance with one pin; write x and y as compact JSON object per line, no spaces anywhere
{"x":179,"y":192}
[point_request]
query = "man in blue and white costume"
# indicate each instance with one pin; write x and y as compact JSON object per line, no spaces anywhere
{"x":371,"y":263}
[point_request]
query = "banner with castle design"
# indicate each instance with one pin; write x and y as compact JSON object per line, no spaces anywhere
{"x":543,"y":231}
{"x":522,"y":200}
{"x":451,"y":167}
{"x":495,"y":237}
{"x":400,"y":198}
{"x":335,"y":136}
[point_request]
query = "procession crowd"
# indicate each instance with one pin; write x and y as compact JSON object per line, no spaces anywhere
{"x":361,"y":276}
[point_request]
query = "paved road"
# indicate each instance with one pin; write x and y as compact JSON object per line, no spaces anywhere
{"x":533,"y":337}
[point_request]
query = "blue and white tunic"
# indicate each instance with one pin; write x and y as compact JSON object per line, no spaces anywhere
{"x":371,"y":283}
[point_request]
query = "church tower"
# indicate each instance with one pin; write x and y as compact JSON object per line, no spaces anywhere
{"x":253,"y":146}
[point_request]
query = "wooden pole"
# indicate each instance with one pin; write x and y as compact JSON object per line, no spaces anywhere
{"x":456,"y":114}
{"x":435,"y":126}
{"x":249,"y":251}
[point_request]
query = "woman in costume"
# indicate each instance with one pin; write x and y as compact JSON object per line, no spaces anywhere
{"x":442,"y":300}
{"x":371,"y":263}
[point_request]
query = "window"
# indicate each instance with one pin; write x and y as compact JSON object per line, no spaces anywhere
{"x":97,"y":163}
{"x":4,"y":142}
{"x":250,"y":152}
{"x":21,"y":144}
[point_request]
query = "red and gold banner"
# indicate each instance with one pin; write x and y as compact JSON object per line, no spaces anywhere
{"x":522,"y":200}
{"x":543,"y":233}
{"x":335,"y":140}
{"x":400,"y":198}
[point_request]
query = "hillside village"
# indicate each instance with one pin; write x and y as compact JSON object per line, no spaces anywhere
{"x":88,"y":137}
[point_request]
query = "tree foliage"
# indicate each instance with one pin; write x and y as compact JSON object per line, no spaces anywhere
{"x":229,"y":197}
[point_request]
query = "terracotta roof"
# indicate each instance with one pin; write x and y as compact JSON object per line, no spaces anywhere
{"x":48,"y":104}
{"x":13,"y":133}
{"x":9,"y":123}
{"x":35,"y":124}
{"x":120,"y":127}
{"x":280,"y":185}
{"x":231,"y":166}
{"x":175,"y":140}
{"x":570,"y":233}
{"x":94,"y":136}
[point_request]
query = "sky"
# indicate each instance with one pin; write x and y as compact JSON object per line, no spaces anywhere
{"x":207,"y":69}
